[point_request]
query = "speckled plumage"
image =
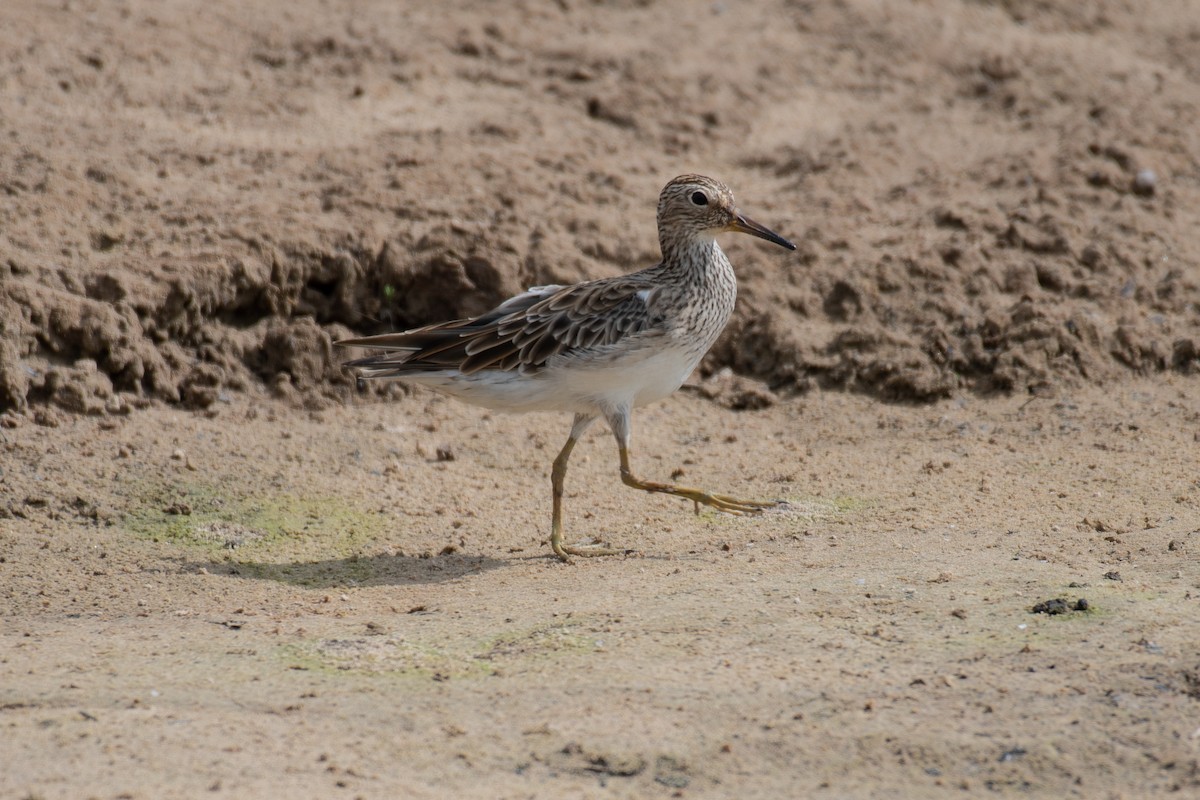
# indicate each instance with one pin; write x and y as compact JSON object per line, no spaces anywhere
{"x":598,"y":348}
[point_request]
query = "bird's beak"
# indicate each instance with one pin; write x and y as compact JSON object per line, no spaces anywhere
{"x":743,"y":224}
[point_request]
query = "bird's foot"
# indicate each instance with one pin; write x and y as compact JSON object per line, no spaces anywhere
{"x":565,"y":551}
{"x":731,"y":505}
{"x":721,"y":502}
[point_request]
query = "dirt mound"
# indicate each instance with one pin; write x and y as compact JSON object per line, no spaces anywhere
{"x":996,"y":197}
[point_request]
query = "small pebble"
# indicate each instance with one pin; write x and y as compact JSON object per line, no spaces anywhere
{"x":1145,"y":182}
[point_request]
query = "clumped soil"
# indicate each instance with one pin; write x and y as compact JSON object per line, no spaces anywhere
{"x":225,"y":571}
{"x":987,"y":197}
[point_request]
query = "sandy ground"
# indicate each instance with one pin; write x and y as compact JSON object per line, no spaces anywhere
{"x":225,"y":573}
{"x":267,"y":601}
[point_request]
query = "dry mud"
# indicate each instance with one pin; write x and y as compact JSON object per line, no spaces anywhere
{"x":987,"y":196}
{"x":223,"y":572}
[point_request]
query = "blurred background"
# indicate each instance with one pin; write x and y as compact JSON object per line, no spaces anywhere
{"x":197,"y":197}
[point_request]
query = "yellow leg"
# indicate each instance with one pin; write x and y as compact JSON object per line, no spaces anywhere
{"x":721,"y":502}
{"x":558,"y":475}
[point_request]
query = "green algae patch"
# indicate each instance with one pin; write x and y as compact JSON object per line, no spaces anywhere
{"x":846,"y":504}
{"x":541,"y":641}
{"x":227,"y":518}
{"x":387,"y":655}
{"x":805,"y":508}
{"x":448,"y":658}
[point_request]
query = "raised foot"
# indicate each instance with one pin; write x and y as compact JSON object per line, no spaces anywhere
{"x":721,"y":502}
{"x":732,"y":505}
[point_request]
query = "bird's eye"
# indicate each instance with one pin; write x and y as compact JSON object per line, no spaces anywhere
{"x":699,"y":199}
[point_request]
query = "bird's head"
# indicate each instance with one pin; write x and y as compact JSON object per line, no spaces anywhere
{"x":693,"y":206}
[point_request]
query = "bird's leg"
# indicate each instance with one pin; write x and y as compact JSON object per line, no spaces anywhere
{"x":557,"y":475}
{"x":721,"y":502}
{"x":619,"y":422}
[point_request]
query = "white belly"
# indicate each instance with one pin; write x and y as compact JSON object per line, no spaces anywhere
{"x":587,"y":386}
{"x":634,"y":380}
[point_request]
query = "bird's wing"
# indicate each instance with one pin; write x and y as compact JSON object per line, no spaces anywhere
{"x":522,"y":333}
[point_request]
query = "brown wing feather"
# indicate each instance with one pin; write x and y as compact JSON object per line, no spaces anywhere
{"x":521,"y":334}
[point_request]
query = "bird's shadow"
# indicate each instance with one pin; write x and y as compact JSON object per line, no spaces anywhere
{"x":354,"y":570}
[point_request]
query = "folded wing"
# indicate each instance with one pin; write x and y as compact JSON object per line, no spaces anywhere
{"x":521,"y":334}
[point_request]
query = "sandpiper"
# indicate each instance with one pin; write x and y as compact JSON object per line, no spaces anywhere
{"x":598,"y":348}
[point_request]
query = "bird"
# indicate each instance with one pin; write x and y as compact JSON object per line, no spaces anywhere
{"x":596,"y":349}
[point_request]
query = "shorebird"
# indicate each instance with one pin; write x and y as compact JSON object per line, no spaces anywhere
{"x":596,"y":349}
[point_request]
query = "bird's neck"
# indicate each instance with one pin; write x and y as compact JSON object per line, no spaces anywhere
{"x":696,"y":255}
